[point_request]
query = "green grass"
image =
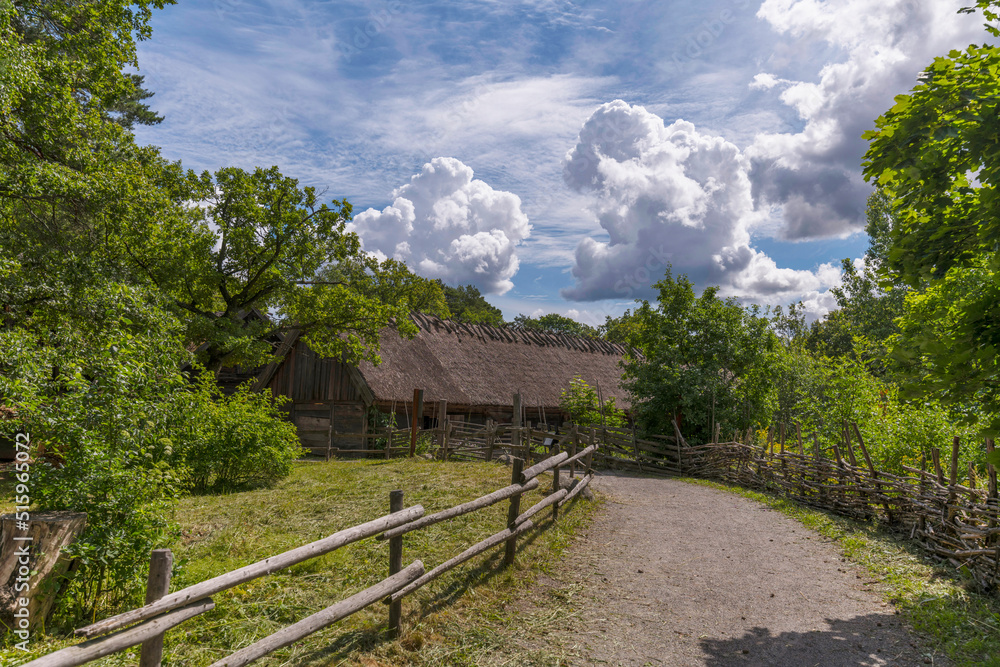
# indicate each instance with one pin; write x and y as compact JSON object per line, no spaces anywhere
{"x":7,"y":484}
{"x":937,"y":600}
{"x":469,"y":616}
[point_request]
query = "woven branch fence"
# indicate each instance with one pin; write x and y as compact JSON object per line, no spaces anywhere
{"x":957,"y":523}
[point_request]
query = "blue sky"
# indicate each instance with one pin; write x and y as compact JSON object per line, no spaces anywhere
{"x":559,"y":154}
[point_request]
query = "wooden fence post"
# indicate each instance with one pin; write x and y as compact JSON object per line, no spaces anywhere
{"x":936,"y":457}
{"x":395,"y":563}
{"x":591,"y":440}
{"x":873,"y":470}
{"x":847,"y":442}
{"x":157,"y":585}
{"x":922,"y":520}
{"x":515,"y":426}
{"x":513,"y":511}
{"x":677,"y":442}
{"x":442,"y":418}
{"x":418,"y":413}
{"x":491,"y":436}
{"x":819,"y":456}
{"x":555,"y":480}
{"x":952,"y":481}
{"x":574,"y":437}
{"x":991,"y":473}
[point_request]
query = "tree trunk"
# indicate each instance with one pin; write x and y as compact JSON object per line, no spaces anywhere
{"x":35,"y":548}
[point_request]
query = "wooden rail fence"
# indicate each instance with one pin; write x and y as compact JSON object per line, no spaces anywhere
{"x":955,"y":522}
{"x":163,"y":611}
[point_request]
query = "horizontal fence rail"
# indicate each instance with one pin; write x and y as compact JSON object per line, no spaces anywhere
{"x":165,"y":611}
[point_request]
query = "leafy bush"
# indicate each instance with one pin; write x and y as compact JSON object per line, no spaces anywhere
{"x":706,"y":359}
{"x":236,"y":441}
{"x":94,"y":379}
{"x":821,"y":394}
{"x":96,"y":396}
{"x":581,"y":402}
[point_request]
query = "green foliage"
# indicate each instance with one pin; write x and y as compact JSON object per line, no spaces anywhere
{"x":704,"y":358}
{"x":99,"y":398}
{"x":936,"y":155}
{"x":625,"y":330}
{"x":390,"y":281}
{"x":466,"y":304}
{"x":260,"y":241}
{"x":868,"y":304}
{"x":582,"y":403}
{"x":237,"y":441}
{"x":378,"y":421}
{"x":65,"y":154}
{"x":553,"y":323}
{"x":947,"y":344}
{"x":822,"y":394}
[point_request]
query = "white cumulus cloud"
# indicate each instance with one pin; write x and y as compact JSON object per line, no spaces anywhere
{"x":812,"y":177}
{"x":446,"y":224}
{"x":670,"y":194}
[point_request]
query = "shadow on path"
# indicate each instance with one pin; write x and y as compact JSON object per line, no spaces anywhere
{"x":844,"y":643}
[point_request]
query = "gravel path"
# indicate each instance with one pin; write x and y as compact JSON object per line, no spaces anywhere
{"x":682,"y":574}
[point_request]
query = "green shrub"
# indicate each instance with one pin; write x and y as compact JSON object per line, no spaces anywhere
{"x":236,"y":441}
{"x":581,"y":402}
{"x":821,"y":394}
{"x":97,"y":397}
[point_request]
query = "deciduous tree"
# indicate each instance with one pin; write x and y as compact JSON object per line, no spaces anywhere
{"x":705,"y":358}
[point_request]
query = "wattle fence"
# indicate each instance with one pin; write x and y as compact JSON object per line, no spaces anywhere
{"x":953,"y":514}
{"x":956,"y":523}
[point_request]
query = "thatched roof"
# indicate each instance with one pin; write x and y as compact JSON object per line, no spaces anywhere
{"x":468,"y":364}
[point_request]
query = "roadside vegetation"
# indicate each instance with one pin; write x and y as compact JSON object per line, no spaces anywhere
{"x":470,"y":616}
{"x":910,"y":353}
{"x":122,"y":301}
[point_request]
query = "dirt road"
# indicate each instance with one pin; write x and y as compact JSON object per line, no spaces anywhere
{"x":682,"y":574}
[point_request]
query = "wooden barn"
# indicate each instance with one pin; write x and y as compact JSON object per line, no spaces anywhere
{"x":476,"y":369}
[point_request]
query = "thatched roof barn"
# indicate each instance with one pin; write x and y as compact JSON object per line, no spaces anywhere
{"x":480,"y":366}
{"x":475,"y":368}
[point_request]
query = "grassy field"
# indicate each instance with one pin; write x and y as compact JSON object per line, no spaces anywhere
{"x":963,"y":624}
{"x":467,"y":617}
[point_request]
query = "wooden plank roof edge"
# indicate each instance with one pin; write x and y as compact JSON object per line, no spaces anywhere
{"x":279,"y":356}
{"x":485,"y":332}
